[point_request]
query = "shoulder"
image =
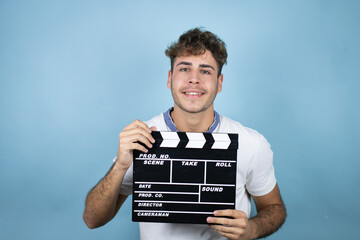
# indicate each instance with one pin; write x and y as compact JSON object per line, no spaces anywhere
{"x":247,"y":136}
{"x":232,"y":126}
{"x":157,"y":121}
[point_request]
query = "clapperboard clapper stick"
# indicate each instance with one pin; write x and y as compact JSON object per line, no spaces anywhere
{"x":184,"y":177}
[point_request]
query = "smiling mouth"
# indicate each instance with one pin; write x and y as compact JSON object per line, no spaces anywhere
{"x":193,"y":93}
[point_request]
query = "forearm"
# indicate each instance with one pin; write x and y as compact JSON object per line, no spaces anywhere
{"x":268,"y":220}
{"x":104,"y":200}
{"x":100,"y":204}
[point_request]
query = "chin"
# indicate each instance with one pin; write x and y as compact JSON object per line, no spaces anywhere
{"x":194,"y":109}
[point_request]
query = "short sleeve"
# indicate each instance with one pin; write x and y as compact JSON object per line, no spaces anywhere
{"x":127,"y":183}
{"x":261,"y":175}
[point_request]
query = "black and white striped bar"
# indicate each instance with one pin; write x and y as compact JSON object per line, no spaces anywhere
{"x":195,"y":140}
{"x":184,"y":177}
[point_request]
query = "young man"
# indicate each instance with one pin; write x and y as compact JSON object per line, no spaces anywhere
{"x":194,"y":80}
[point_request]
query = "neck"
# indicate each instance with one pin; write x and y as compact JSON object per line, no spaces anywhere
{"x":192,"y":122}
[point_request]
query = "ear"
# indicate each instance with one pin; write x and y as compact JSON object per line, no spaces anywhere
{"x":220,"y":81}
{"x":169,"y":80}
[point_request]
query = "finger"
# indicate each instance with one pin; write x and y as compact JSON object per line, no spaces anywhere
{"x":227,"y":229}
{"x":220,"y":221}
{"x":238,"y":222}
{"x":134,"y":136}
{"x":137,"y":124}
{"x":133,"y":133}
{"x":239,"y":218}
{"x":139,"y":147}
{"x":137,"y":131}
{"x":230,"y":213}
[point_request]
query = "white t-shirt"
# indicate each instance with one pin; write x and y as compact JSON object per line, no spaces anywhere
{"x":255,"y":175}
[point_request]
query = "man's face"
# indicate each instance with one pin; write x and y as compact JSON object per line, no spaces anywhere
{"x":194,"y":82}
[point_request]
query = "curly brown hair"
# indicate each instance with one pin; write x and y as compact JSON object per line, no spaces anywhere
{"x":196,"y":42}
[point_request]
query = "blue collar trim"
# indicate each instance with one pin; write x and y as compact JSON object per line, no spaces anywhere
{"x":171,"y":125}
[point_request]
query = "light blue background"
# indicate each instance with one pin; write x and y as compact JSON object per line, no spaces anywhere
{"x":74,"y":73}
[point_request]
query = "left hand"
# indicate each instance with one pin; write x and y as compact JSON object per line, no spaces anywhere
{"x":237,"y":228}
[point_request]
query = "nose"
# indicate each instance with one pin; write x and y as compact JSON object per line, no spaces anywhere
{"x":194,"y":78}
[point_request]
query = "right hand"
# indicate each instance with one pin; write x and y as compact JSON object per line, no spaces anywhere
{"x":135,"y":131}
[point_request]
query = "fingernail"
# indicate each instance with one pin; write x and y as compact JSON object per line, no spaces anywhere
{"x":209,"y":219}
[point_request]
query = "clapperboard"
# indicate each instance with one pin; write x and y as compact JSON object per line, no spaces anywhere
{"x":184,"y":177}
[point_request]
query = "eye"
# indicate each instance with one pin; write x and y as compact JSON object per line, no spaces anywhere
{"x":184,"y":69}
{"x":203,"y":71}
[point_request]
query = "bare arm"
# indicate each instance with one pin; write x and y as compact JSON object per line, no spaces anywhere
{"x":271,"y":213}
{"x":104,"y":200}
{"x":270,"y":216}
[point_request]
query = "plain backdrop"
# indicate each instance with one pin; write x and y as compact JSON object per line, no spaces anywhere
{"x":73,"y":74}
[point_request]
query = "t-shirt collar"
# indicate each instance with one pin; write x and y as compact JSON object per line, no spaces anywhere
{"x":171,"y":125}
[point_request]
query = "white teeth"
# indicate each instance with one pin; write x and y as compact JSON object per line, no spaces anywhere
{"x":192,"y":93}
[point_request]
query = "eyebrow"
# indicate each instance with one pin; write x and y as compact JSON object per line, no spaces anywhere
{"x":190,"y":64}
{"x":184,"y":63}
{"x":207,"y":66}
